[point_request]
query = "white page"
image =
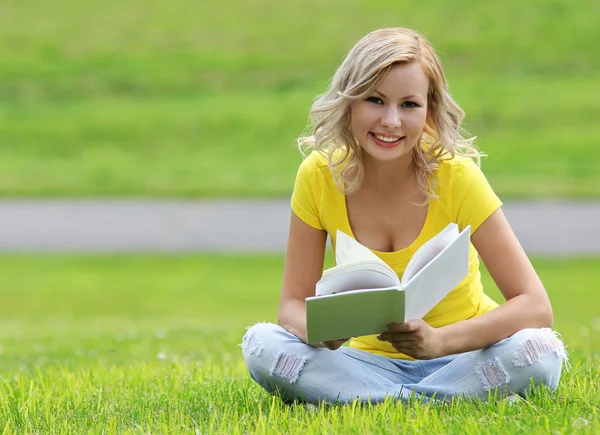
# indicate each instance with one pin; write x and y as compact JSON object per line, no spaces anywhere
{"x":432,"y":283}
{"x":429,"y":250}
{"x":352,"y":314}
{"x":349,"y":250}
{"x":366,"y":269}
{"x":355,"y":276}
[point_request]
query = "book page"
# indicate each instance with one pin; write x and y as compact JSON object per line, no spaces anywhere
{"x":348,"y":250}
{"x":357,"y":268}
{"x":439,"y":277}
{"x":355,"y":276}
{"x":429,"y":250}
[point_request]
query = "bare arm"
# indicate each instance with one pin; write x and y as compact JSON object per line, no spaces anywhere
{"x":527,"y":304}
{"x":303,"y":268}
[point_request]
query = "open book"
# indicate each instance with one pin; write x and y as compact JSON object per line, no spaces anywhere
{"x":361,"y":295}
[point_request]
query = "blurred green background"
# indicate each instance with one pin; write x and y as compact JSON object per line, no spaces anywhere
{"x":188,"y":99}
{"x":200,"y":99}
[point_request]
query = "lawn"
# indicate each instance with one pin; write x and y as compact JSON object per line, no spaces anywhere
{"x":149,"y":344}
{"x":188,"y":99}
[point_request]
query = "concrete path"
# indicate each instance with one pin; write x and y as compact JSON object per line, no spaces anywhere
{"x":554,"y":228}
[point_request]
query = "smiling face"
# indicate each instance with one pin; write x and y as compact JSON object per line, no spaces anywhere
{"x":389,"y":121}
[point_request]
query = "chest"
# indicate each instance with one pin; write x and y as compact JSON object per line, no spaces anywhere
{"x":386,"y":224}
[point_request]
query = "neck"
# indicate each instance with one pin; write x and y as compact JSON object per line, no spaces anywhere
{"x":387,"y":176}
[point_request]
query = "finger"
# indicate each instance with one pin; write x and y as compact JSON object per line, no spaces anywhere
{"x":410,"y":352}
{"x":399,"y":337}
{"x":335,"y":344}
{"x":411,"y":325}
{"x":393,"y":326}
{"x":405,"y":348}
{"x":331,"y":345}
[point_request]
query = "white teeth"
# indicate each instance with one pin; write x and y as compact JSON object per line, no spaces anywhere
{"x":386,"y":139}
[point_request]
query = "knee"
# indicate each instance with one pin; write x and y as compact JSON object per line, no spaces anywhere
{"x":274,"y":357}
{"x":259,"y":336}
{"x":539,"y":354}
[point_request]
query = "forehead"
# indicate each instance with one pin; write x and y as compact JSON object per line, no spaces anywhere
{"x":405,"y":79}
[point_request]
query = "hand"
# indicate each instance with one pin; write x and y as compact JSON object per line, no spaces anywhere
{"x":414,"y":338}
{"x":335,"y":344}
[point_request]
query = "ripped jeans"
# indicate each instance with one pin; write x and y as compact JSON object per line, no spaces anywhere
{"x":281,"y":363}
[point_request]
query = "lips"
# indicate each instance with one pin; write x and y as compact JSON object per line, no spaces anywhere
{"x":386,"y":143}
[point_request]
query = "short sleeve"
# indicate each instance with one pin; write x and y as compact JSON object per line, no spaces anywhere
{"x":473,"y":199}
{"x":305,"y":198}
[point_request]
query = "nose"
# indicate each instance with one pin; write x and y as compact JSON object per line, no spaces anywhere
{"x":391,"y":118}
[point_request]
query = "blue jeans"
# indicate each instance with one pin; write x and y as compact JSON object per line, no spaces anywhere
{"x":281,"y":363}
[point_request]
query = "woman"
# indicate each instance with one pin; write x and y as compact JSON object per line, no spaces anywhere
{"x":391,"y":168}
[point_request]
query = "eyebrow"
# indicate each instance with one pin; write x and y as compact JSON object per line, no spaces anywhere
{"x":403,"y":98}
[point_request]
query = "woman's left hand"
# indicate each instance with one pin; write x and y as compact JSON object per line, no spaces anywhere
{"x":415,"y":338}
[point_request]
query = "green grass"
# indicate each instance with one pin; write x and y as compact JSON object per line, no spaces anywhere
{"x":149,"y":344}
{"x":188,"y":99}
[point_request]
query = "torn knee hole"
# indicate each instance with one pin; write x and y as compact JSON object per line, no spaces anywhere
{"x":287,"y":366}
{"x":251,"y":345}
{"x":534,"y":348}
{"x":492,"y":374}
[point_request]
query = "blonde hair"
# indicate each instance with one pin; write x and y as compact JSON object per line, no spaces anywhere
{"x":362,"y":69}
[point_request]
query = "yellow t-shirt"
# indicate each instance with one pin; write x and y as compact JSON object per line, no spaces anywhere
{"x":464,"y":197}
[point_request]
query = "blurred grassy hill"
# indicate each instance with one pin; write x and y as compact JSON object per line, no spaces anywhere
{"x":189,"y":98}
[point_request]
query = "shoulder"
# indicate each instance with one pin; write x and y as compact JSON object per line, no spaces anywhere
{"x":310,"y":189}
{"x":313,"y":173}
{"x":314,"y":169}
{"x":314,"y":162}
{"x":459,"y":163}
{"x":468,"y":193}
{"x":460,"y":171}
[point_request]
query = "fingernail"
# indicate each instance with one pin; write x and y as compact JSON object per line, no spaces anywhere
{"x":379,"y":337}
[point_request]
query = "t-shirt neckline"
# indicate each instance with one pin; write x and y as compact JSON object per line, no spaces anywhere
{"x":388,"y":254}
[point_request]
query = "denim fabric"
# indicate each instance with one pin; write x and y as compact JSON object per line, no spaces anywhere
{"x":283,"y":364}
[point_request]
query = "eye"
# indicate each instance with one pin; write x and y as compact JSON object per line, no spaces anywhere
{"x":410,"y":104}
{"x":374,"y":100}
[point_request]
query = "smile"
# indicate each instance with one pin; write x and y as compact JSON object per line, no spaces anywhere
{"x":386,"y":141}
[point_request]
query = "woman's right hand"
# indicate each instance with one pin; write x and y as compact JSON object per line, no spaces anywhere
{"x":335,"y":344}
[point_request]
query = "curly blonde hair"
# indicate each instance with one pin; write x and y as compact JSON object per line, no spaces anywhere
{"x":362,"y":69}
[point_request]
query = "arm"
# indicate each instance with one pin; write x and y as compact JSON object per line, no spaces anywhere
{"x":527,"y":304}
{"x":303,"y":268}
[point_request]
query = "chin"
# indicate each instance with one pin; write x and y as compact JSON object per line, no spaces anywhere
{"x":387,"y":155}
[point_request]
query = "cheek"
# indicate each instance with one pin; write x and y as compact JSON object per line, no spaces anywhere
{"x":359,"y":120}
{"x":417,"y":121}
